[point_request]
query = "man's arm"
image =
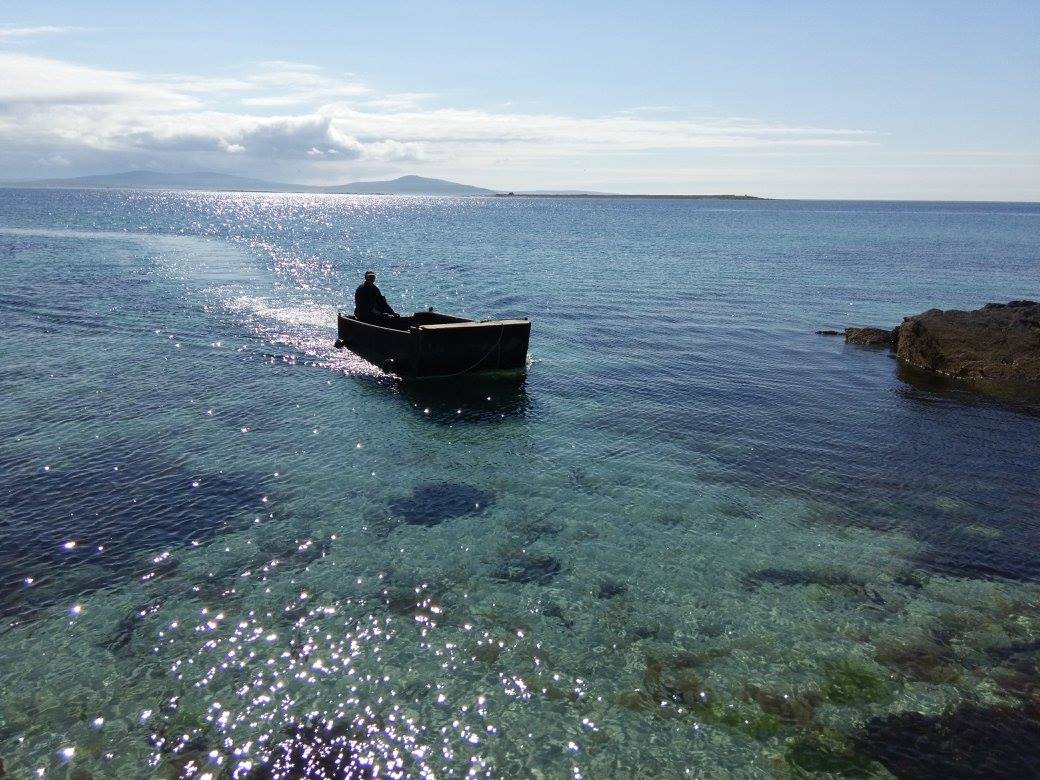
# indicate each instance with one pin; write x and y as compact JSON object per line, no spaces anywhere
{"x":386,"y":306}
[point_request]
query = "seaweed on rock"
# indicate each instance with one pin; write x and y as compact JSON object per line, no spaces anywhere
{"x":923,"y":660}
{"x":521,"y":566}
{"x":675,"y":681}
{"x":530,"y":529}
{"x":554,"y":610}
{"x":850,"y":681}
{"x":610,"y":588}
{"x":790,"y":577}
{"x":791,"y":709}
{"x":671,"y":687}
{"x":418,"y":600}
{"x":126,"y":628}
{"x":829,"y":753}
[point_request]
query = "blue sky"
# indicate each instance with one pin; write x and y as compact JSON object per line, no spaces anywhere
{"x":802,"y":99}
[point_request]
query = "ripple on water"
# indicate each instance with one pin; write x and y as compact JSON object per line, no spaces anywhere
{"x":88,"y":523}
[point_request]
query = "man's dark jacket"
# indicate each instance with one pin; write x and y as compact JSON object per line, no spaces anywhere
{"x":370,"y":305}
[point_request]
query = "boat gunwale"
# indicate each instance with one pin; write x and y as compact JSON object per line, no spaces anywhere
{"x":438,"y":325}
{"x":472,"y":324}
{"x":411,"y":338}
{"x":356,"y":321}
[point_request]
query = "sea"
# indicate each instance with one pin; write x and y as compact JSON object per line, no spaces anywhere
{"x":695,"y":539}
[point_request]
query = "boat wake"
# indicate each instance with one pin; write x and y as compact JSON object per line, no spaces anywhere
{"x":303,"y":327}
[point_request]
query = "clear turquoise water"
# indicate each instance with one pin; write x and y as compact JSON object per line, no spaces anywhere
{"x":698,"y":539}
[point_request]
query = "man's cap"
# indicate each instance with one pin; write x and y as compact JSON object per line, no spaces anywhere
{"x":369,"y":272}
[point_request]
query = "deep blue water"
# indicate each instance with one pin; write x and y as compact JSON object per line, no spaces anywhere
{"x":696,"y":539}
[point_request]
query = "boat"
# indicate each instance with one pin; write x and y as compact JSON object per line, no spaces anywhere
{"x":430,"y":344}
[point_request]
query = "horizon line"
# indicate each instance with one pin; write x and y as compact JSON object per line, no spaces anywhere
{"x":562,"y":192}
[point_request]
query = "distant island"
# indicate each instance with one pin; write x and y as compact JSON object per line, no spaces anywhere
{"x":621,"y":195}
{"x":211,"y":181}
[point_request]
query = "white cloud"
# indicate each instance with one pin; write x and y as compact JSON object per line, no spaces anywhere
{"x":553,"y":135}
{"x":270,"y":85}
{"x":294,"y":83}
{"x":311,"y":136}
{"x":10,"y":33}
{"x":41,"y":81}
{"x":399,"y":101}
{"x":55,"y":160}
{"x":54,"y":107}
{"x":394,"y":150}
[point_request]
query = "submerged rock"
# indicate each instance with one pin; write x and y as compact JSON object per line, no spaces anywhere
{"x":126,"y":628}
{"x":554,"y":610}
{"x":1026,"y":652}
{"x":824,"y":578}
{"x":791,"y":709}
{"x":609,"y":588}
{"x":671,"y":680}
{"x":316,"y":749}
{"x":408,"y":595}
{"x":871,"y":337}
{"x":853,"y":682}
{"x":523,"y":567}
{"x":530,"y":529}
{"x":828,"y":753}
{"x":970,"y":741}
{"x":90,"y":524}
{"x":434,"y":503}
{"x":921,"y":660}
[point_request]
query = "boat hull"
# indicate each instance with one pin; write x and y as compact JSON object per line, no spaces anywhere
{"x":439,"y":345}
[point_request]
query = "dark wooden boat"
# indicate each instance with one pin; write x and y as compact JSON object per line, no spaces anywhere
{"x":432,"y":344}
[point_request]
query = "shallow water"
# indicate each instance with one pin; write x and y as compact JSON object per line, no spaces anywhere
{"x":697,"y":539}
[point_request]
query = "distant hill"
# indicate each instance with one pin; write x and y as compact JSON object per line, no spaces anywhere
{"x":225,"y":182}
{"x":409,"y":185}
{"x":199,"y":180}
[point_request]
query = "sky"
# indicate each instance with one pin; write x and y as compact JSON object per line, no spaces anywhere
{"x":816,"y":99}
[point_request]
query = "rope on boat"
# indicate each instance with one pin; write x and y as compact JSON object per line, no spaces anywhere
{"x":501,"y":333}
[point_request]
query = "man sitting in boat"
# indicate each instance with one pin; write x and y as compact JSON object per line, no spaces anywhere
{"x":370,"y":306}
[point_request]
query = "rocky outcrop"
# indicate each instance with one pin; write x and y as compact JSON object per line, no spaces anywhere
{"x":998,"y":343}
{"x":996,"y":347}
{"x":871,"y":337}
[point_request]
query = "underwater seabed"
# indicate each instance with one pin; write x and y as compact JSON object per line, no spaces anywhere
{"x":461,"y":631}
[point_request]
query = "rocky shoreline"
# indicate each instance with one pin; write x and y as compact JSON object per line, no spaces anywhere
{"x":996,"y":347}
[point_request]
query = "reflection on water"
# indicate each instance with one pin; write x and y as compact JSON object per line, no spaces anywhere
{"x":692,"y":539}
{"x":933,"y":386}
{"x":479,"y":399}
